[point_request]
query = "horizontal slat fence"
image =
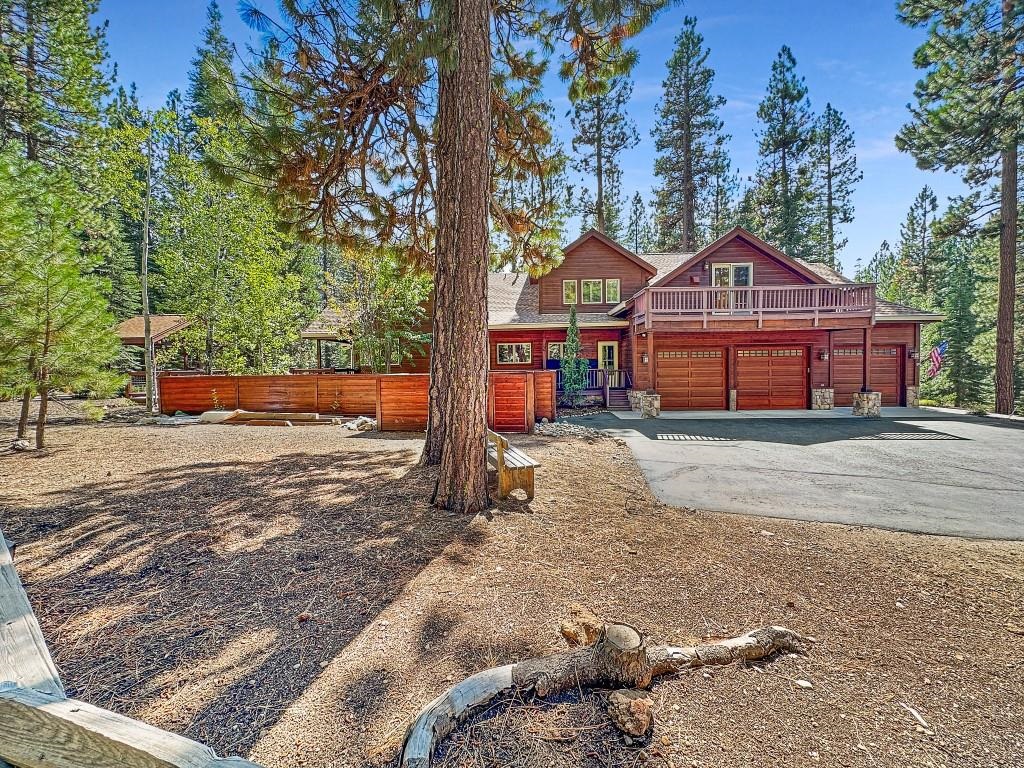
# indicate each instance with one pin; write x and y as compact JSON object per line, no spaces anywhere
{"x":398,"y":401}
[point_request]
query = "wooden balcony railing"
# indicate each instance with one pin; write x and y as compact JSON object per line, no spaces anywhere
{"x":598,"y":377}
{"x":758,"y":302}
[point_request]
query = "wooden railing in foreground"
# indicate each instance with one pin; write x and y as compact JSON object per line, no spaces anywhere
{"x":41,"y":728}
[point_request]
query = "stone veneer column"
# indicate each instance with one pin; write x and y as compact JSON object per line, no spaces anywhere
{"x":823,"y":399}
{"x":650,"y":405}
{"x":732,"y":399}
{"x":867,"y":404}
{"x":913,"y":397}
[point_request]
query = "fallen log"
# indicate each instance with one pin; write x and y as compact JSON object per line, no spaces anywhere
{"x":620,"y":656}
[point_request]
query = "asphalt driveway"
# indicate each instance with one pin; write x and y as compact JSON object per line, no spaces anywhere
{"x":930,"y":473}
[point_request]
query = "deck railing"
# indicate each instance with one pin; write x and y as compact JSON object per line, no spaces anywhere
{"x":598,"y":377}
{"x":808,"y":301}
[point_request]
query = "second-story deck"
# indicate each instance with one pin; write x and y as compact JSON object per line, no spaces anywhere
{"x":809,"y":303}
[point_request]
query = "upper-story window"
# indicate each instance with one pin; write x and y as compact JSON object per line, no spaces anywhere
{"x":569,"y":292}
{"x":611,"y":290}
{"x":592,"y":291}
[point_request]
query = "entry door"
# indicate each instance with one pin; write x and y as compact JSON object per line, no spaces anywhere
{"x":732,"y":276}
{"x":608,"y":359}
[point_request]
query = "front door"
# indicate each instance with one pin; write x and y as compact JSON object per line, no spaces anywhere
{"x":608,"y":359}
{"x":732,"y":276}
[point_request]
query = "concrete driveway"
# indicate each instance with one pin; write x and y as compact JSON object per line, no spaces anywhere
{"x":928,"y":473}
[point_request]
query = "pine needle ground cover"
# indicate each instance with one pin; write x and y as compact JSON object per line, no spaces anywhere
{"x":288,"y":594}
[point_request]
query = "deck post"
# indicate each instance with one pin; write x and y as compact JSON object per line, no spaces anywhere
{"x":319,"y":354}
{"x":650,"y":361}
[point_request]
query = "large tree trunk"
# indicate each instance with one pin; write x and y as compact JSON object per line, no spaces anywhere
{"x":611,"y":655}
{"x":26,"y":407}
{"x":1007,"y":281}
{"x":456,"y":437}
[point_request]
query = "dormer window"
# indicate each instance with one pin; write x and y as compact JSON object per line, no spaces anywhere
{"x":569,"y":292}
{"x":611,"y":291}
{"x":592,"y":291}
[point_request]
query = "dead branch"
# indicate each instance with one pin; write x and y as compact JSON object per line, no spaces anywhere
{"x":620,"y":656}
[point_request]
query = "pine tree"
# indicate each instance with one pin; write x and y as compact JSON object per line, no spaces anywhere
{"x":917,"y":245}
{"x":690,"y":143}
{"x":962,"y":378}
{"x":835,"y":172}
{"x":573,"y":366}
{"x":893,"y":274}
{"x":211,"y":67}
{"x":725,"y":185}
{"x":603,"y":130}
{"x":969,"y":116}
{"x":55,"y":331}
{"x":639,"y":236}
{"x":782,"y":195}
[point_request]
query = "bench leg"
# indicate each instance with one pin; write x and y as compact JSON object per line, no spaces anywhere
{"x":504,"y":482}
{"x":528,"y":485}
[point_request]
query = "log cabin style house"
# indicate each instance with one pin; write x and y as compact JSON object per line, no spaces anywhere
{"x":738,"y":325}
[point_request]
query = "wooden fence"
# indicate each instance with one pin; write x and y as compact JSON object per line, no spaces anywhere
{"x":41,"y":728}
{"x":516,"y":399}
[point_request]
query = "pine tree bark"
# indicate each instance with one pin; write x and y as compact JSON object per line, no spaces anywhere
{"x":44,"y":401}
{"x":147,"y":329}
{"x":1007,"y":280}
{"x":457,"y":432}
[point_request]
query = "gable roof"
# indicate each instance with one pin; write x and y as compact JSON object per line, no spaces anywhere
{"x":332,"y":324}
{"x":133,"y":330}
{"x":513,"y":300}
{"x":593,"y":234}
{"x":801,"y":268}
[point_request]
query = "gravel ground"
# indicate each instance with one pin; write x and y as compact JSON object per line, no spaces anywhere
{"x":287,"y":594}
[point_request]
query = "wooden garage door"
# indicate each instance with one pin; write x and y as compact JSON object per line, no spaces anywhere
{"x":886,"y":373}
{"x":689,"y":379}
{"x":771,"y":378}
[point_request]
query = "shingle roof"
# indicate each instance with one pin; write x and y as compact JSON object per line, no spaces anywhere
{"x":332,"y":323}
{"x":132,"y":331}
{"x":513,"y":300}
{"x":890,"y":310}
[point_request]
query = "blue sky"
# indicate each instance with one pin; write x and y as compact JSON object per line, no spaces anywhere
{"x":853,"y":53}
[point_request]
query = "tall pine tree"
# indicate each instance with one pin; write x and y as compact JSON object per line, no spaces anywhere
{"x":602,"y":131}
{"x":639,"y":235}
{"x":917,"y":246}
{"x":690,"y":144}
{"x":969,"y":116}
{"x":835,"y":175}
{"x":783,"y":194}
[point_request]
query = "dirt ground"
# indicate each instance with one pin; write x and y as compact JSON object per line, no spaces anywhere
{"x":287,"y":594}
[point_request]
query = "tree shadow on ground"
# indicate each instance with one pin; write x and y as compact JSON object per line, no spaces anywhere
{"x":206,"y":597}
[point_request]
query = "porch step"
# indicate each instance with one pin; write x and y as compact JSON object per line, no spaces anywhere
{"x":618,"y":400}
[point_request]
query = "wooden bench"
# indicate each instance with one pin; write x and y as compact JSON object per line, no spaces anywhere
{"x":515,"y":468}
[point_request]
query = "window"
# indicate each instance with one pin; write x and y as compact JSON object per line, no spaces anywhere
{"x":592,"y":291}
{"x":556,"y":350}
{"x":396,"y":354}
{"x":568,"y":291}
{"x":611,"y":291}
{"x":515,"y":354}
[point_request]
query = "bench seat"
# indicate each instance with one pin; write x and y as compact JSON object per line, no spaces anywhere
{"x":515,"y":468}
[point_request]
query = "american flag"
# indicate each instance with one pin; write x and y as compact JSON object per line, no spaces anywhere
{"x":936,"y":357}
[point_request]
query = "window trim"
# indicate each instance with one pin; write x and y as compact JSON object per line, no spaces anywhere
{"x":600,"y":294}
{"x":732,"y":272}
{"x":497,"y":353}
{"x":618,"y":290}
{"x":561,"y":345}
{"x":575,"y":292}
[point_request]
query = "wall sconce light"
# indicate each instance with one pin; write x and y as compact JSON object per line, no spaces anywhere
{"x":823,"y":355}
{"x":914,"y":354}
{"x":705,"y":265}
{"x":643,"y":358}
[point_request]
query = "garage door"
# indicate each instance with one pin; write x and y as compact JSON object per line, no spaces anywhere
{"x":886,"y":373}
{"x":771,"y":378}
{"x":689,"y":379}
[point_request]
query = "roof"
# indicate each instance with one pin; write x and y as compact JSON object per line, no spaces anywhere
{"x":331,"y":324}
{"x":132,"y":331}
{"x":891,"y":312}
{"x":513,"y":300}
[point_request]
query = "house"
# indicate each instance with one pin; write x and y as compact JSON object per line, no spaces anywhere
{"x":738,"y":325}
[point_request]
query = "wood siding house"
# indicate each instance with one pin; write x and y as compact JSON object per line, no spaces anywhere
{"x":738,"y":325}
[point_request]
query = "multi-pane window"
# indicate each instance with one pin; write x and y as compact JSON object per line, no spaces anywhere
{"x":515,"y":354}
{"x":556,"y":350}
{"x":568,"y":291}
{"x":611,"y":290}
{"x":591,"y":290}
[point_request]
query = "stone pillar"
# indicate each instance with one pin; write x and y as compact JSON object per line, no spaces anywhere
{"x":867,"y":404}
{"x":913,"y":396}
{"x":732,"y":399}
{"x":650,"y":405}
{"x":823,"y":399}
